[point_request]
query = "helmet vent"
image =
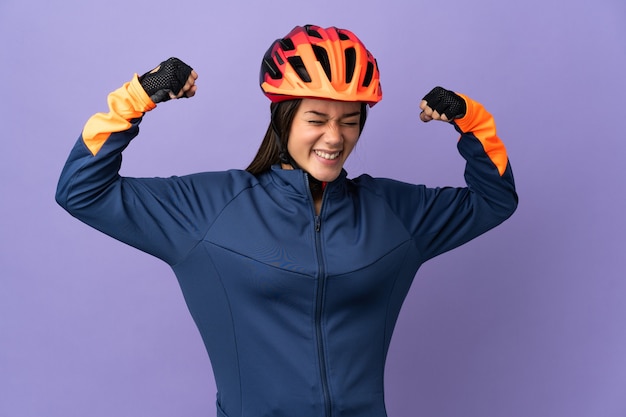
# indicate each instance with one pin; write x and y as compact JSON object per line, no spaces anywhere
{"x":368,"y":74}
{"x":287,"y":44}
{"x":350,"y":55}
{"x":313,"y":32}
{"x":322,"y":57}
{"x":343,"y":36}
{"x":278,"y":58}
{"x":268,"y":66}
{"x":298,"y":66}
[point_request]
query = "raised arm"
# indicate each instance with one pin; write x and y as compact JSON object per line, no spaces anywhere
{"x":490,"y":196}
{"x":145,"y":213}
{"x":440,"y":219}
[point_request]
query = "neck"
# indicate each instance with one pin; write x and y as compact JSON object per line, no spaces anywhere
{"x":316,"y":186}
{"x":317,"y":191}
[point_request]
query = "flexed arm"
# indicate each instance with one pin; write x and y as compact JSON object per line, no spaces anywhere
{"x":469,"y":117}
{"x":442,"y":218}
{"x":141,"y":212}
{"x":127,"y":105}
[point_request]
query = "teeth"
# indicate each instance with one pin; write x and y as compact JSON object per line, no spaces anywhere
{"x":325,"y":155}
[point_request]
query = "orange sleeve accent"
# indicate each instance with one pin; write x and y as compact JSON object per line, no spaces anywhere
{"x":126,"y":103}
{"x":480,"y":122}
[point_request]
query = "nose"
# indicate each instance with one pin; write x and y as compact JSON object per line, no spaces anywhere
{"x":333,"y":134}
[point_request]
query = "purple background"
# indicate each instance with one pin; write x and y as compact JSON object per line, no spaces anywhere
{"x":527,"y":320}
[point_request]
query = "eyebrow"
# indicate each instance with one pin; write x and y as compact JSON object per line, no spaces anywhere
{"x":317,"y":113}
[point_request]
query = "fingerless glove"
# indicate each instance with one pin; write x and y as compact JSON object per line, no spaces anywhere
{"x":446,"y":102}
{"x":170,"y":76}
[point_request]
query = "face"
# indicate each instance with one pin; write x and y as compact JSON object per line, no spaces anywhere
{"x":323,"y":133}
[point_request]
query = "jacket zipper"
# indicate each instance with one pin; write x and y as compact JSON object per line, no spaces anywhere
{"x":319,"y":303}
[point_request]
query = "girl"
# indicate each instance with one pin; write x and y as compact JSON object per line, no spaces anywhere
{"x":293,"y":273}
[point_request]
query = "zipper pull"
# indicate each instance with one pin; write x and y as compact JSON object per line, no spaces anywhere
{"x":318,"y":223}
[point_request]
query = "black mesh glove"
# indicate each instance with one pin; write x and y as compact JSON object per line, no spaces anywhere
{"x":171,"y":76}
{"x":446,"y":102}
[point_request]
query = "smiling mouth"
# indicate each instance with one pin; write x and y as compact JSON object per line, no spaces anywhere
{"x":326,"y":155}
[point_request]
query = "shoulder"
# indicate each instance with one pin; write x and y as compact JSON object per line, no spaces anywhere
{"x":380,"y":185}
{"x":215,"y":186}
{"x":392,"y":193}
{"x":233,"y":178}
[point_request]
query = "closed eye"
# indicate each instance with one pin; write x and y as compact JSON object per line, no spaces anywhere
{"x":350,"y":120}
{"x":353,"y":121}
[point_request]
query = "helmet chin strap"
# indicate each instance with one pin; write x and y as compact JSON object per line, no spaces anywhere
{"x":283,"y":154}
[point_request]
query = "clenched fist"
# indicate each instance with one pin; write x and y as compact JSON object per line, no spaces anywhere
{"x":442,"y":104}
{"x":171,"y":79}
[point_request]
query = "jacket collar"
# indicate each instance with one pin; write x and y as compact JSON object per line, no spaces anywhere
{"x":296,"y":181}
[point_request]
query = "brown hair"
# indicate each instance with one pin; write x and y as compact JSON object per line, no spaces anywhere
{"x":278,"y":129}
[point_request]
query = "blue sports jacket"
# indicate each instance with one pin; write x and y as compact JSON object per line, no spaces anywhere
{"x":296,"y":309}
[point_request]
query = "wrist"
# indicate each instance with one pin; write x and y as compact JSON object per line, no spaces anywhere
{"x":141,"y":99}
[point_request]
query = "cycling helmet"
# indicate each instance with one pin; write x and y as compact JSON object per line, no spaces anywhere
{"x":313,"y":62}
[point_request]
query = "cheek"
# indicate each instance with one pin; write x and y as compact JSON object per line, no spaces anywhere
{"x":350,"y":144}
{"x":298,"y":144}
